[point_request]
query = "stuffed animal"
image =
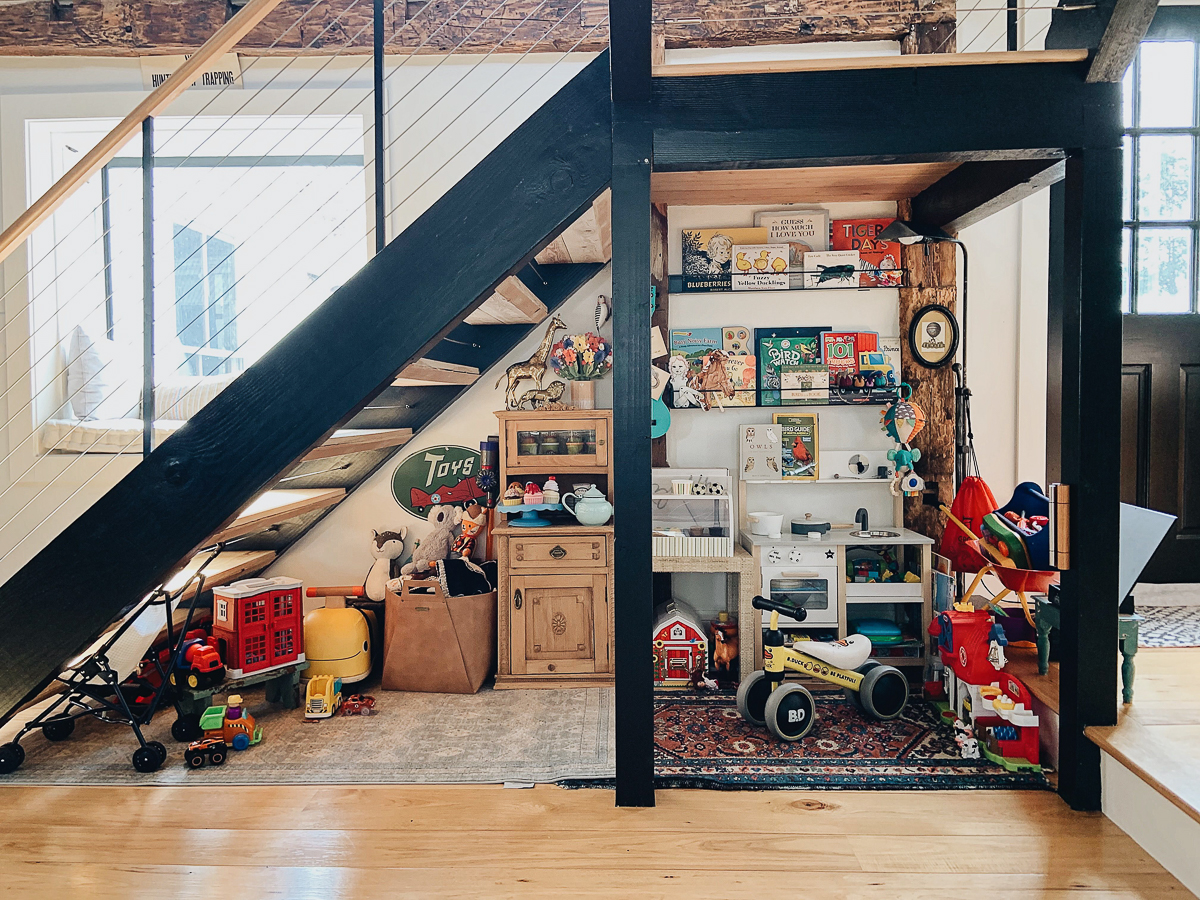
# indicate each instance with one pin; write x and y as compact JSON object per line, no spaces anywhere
{"x":474,"y":517}
{"x":386,"y":547}
{"x":437,"y":544}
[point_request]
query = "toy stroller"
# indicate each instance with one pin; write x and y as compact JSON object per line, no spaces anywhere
{"x":787,"y":708}
{"x":94,"y":685}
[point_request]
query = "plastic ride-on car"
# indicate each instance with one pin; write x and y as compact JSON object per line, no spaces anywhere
{"x":787,"y":708}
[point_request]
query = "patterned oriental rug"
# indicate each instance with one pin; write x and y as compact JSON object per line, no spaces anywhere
{"x":1169,"y":626}
{"x":701,"y":741}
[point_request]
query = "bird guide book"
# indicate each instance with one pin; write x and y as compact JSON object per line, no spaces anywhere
{"x":798,"y":432}
{"x":760,"y":267}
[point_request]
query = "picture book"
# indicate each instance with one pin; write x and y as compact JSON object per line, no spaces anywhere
{"x":703,"y":375}
{"x":840,"y":350}
{"x":779,"y":347}
{"x":708,"y":255}
{"x":880,"y":260}
{"x":803,"y":230}
{"x":760,"y":453}
{"x":760,"y":267}
{"x":833,"y":268}
{"x":737,"y":341}
{"x":798,"y":432}
{"x":884,"y":358}
{"x":803,"y":384}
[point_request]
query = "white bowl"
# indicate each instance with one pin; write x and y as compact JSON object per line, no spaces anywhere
{"x":768,"y":523}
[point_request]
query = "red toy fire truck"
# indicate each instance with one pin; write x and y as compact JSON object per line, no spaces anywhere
{"x":258,"y":624}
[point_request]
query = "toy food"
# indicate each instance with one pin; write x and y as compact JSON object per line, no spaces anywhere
{"x":515,"y":495}
{"x":533,"y":494}
{"x":550,"y":491}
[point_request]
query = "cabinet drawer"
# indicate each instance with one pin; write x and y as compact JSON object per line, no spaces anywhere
{"x":553,"y":552}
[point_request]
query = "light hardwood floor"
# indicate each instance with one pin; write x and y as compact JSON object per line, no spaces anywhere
{"x":409,"y":842}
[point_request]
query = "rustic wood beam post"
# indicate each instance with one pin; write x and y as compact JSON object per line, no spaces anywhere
{"x":931,"y":278}
{"x":632,"y":151}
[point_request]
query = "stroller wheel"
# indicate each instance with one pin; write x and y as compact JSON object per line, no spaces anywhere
{"x":59,"y":728}
{"x":11,"y":757}
{"x":146,"y":759}
{"x":186,"y":729}
{"x":159,"y":749}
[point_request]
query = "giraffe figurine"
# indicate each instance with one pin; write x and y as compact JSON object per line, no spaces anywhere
{"x":533,"y":368}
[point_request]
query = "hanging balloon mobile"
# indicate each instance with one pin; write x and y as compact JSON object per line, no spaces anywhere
{"x":902,"y":420}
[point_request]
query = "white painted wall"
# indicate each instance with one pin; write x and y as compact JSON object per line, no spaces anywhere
{"x":336,"y":550}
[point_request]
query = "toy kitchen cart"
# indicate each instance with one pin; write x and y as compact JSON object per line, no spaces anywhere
{"x":881,"y":586}
{"x":555,"y":613}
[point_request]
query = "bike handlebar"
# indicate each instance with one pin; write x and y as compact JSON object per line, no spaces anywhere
{"x":796,"y":612}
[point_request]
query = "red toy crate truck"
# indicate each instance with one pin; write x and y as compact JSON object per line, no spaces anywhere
{"x":258,"y":624}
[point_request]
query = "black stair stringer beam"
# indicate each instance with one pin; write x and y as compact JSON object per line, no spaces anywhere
{"x":559,"y":283}
{"x":393,"y":311}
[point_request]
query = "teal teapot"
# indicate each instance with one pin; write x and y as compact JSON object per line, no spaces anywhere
{"x":590,"y":508}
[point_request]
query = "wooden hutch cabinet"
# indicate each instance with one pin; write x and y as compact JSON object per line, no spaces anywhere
{"x":555,"y":623}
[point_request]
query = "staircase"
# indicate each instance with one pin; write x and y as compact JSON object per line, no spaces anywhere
{"x":338,"y":395}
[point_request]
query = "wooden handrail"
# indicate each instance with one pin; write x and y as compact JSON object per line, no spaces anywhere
{"x":224,"y":40}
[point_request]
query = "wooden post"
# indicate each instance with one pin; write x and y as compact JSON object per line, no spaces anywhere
{"x":932,"y":270}
{"x":1091,"y":408}
{"x":661,"y":317}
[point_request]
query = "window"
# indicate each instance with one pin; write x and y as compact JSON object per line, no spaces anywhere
{"x":1161,"y":206}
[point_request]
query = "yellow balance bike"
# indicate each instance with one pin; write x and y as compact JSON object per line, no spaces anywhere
{"x":787,"y":708}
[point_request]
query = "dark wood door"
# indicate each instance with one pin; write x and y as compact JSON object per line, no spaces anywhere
{"x":1160,"y":434}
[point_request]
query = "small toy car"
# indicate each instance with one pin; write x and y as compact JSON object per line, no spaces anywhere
{"x":212,"y":751}
{"x":358,"y":705}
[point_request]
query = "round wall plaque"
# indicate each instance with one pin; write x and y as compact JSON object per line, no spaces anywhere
{"x":933,"y":336}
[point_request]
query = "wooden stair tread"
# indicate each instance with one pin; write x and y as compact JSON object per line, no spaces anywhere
{"x":275,"y":506}
{"x":435,"y":372}
{"x":359,"y":440}
{"x":513,"y":303}
{"x":225,"y":569}
{"x":586,"y":240}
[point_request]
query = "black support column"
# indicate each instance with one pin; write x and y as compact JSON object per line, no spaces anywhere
{"x":629,"y":25}
{"x":1091,"y":403}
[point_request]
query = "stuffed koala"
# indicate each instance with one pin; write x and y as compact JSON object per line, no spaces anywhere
{"x":438,"y":543}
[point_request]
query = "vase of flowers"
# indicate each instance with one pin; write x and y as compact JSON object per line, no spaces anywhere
{"x":581,"y":359}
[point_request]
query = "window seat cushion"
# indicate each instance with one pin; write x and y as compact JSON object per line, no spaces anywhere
{"x":102,"y":435}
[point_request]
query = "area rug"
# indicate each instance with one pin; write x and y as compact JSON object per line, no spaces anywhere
{"x":538,"y":736}
{"x":700,"y":740}
{"x":1169,"y":626}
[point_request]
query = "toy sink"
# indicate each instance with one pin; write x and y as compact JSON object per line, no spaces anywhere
{"x":875,"y":534}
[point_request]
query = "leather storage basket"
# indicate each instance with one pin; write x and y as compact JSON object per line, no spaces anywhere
{"x":438,"y":644}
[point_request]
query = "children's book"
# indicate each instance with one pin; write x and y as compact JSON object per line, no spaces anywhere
{"x":737,"y":341}
{"x":708,"y":255}
{"x":880,"y":260}
{"x":833,"y":268}
{"x":803,"y":230}
{"x":694,"y":381}
{"x":840,"y":350}
{"x":760,"y":267}
{"x":779,"y":347}
{"x":798,"y":432}
{"x":803,"y":384}
{"x":760,"y":451}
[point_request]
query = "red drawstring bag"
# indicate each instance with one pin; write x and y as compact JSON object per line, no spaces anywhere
{"x":973,"y":501}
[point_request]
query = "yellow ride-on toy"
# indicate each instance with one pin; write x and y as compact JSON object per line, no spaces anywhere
{"x":787,"y":708}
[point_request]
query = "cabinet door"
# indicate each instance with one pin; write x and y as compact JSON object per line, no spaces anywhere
{"x":544,"y":445}
{"x":559,"y":624}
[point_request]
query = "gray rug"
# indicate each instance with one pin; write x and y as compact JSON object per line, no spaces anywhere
{"x":491,"y":737}
{"x":1169,"y":626}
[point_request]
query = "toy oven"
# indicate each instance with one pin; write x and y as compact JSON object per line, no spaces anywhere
{"x":813,"y":588}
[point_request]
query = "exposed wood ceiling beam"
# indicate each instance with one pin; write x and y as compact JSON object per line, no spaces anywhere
{"x":1125,"y":29}
{"x":976,"y":190}
{"x":297,"y":27}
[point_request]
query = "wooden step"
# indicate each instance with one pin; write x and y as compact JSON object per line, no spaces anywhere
{"x":272,"y":507}
{"x":434,"y":372}
{"x":359,"y":440}
{"x":513,"y":303}
{"x":225,"y":569}
{"x":586,"y":240}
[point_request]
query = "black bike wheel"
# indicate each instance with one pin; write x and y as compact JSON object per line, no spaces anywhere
{"x":852,"y":696}
{"x":11,"y":757}
{"x":791,"y":712}
{"x":58,"y":729}
{"x":884,"y":692}
{"x":752,"y":697}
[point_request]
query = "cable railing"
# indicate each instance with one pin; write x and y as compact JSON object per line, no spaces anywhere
{"x":282,"y":169}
